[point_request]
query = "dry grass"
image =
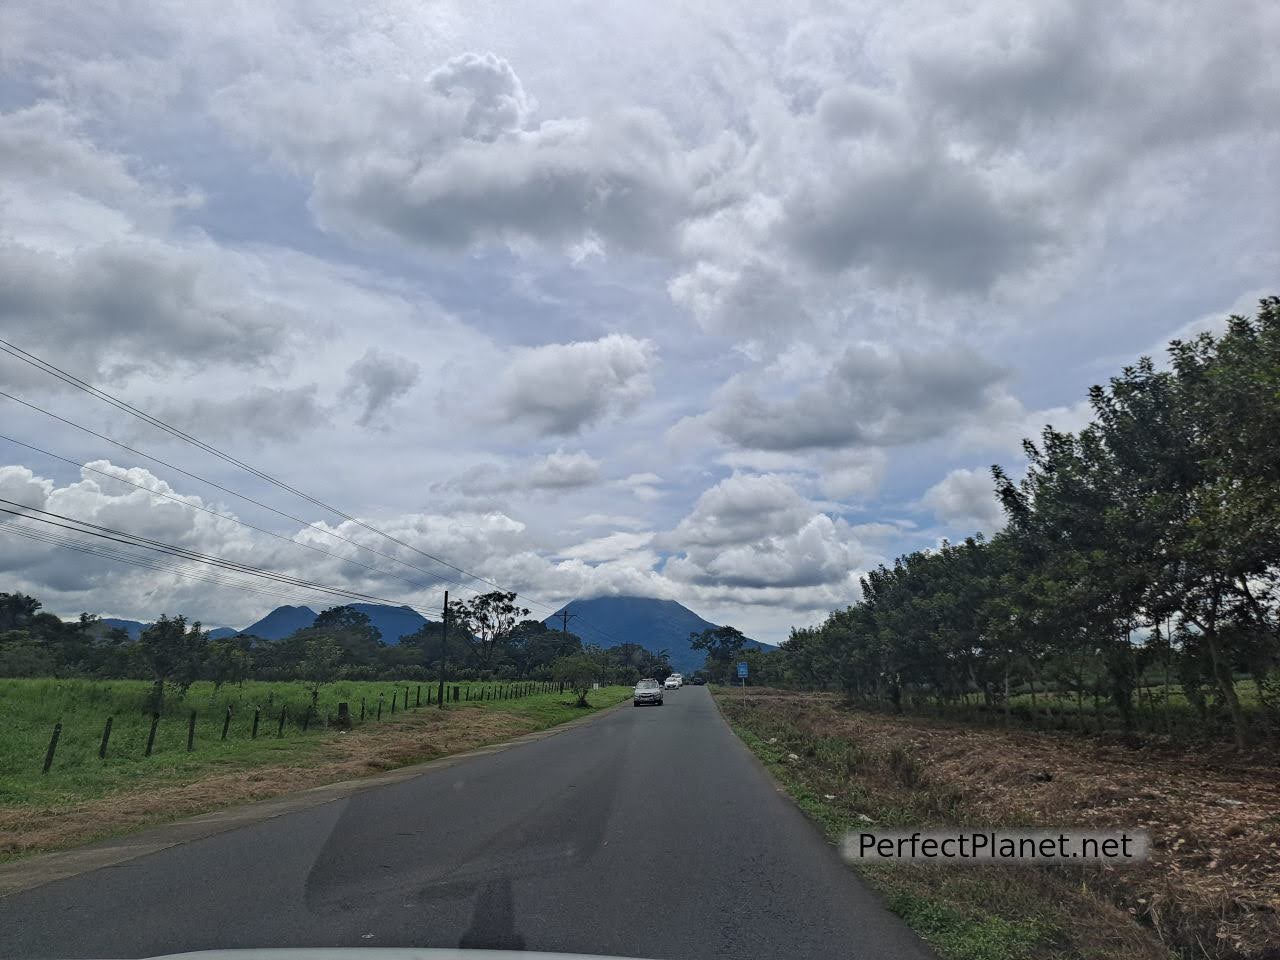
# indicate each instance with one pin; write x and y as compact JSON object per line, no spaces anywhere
{"x":420,"y":735}
{"x":1212,"y":886}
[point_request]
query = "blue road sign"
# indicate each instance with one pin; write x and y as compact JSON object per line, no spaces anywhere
{"x":742,"y":671}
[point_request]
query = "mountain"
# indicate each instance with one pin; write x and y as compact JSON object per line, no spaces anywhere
{"x":281,"y":622}
{"x":392,"y":622}
{"x":134,"y":628}
{"x":654,"y":624}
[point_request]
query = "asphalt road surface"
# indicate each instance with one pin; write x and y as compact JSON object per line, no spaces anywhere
{"x":649,"y":832}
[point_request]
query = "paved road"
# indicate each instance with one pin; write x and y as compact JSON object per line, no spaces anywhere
{"x":648,"y":832}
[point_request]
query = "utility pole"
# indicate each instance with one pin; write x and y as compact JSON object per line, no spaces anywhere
{"x":565,"y":616}
{"x":444,"y":639}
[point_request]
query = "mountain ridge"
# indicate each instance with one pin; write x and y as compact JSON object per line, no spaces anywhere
{"x":653,"y":623}
{"x":608,"y":621}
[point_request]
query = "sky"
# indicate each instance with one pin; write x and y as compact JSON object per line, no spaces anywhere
{"x":725,"y":303}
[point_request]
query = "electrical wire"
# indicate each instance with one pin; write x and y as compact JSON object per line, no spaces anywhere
{"x":74,"y":525}
{"x":51,"y":369}
{"x":146,"y":563}
{"x":82,"y":385}
{"x":214,"y":513}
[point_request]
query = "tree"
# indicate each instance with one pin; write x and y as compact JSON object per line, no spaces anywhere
{"x":534,"y":647}
{"x":321,"y":663}
{"x":351,"y":630}
{"x":578,"y":672}
{"x":720,"y":643}
{"x":487,"y":621}
{"x":171,"y":652}
{"x":228,"y":661}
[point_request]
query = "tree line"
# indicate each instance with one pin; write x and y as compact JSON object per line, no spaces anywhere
{"x":1146,"y":545}
{"x":489,"y":638}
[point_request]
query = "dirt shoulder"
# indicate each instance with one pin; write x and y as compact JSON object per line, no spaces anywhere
{"x":419,"y":736}
{"x":1210,"y":889}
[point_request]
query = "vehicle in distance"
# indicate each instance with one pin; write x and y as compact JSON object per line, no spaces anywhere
{"x":647,"y":691}
{"x":699,"y":681}
{"x":679,"y":678}
{"x":672,"y":683}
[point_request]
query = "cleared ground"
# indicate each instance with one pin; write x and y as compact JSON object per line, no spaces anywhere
{"x":1212,"y":887}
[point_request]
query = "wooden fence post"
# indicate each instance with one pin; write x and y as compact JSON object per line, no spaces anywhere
{"x":151,"y":737}
{"x":226,"y":724}
{"x":53,"y":745}
{"x":257,"y":712}
{"x":191,"y":732}
{"x":106,"y":735}
{"x":284,"y":712}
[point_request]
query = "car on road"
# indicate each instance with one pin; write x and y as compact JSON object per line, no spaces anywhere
{"x":672,"y":683}
{"x":699,"y":681}
{"x":647,"y":691}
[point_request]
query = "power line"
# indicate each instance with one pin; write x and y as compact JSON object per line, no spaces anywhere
{"x":217,"y":486}
{"x":214,"y":513}
{"x":159,"y":546}
{"x":74,"y":381}
{"x":51,"y":369}
{"x":247,"y":499}
{"x":146,"y":563}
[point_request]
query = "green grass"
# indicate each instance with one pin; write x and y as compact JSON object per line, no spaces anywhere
{"x":966,"y":934}
{"x":29,"y":708}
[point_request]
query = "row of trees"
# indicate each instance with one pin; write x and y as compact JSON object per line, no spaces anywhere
{"x":489,"y":637}
{"x":1146,"y":544}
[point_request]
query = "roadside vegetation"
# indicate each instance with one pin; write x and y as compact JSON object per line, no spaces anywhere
{"x":1211,"y":888}
{"x":83,"y":797}
{"x":488,"y":639}
{"x":1110,"y":658}
{"x":102,"y":732}
{"x":1134,"y":586}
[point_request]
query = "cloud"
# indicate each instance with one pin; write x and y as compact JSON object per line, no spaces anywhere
{"x":457,"y":161}
{"x":852,"y":476}
{"x":378,"y":380}
{"x":870,"y":395}
{"x":611,"y":547}
{"x":555,"y":472}
{"x":929,"y":219}
{"x":495,"y":98}
{"x":617,"y":521}
{"x":277,"y":413}
{"x":965,"y":498}
{"x":561,"y":389}
{"x":642,"y":486}
{"x":740,"y":508}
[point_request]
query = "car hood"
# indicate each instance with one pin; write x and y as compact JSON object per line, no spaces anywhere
{"x":375,"y":953}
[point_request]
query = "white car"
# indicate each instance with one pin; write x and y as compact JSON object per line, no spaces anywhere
{"x":672,"y":683}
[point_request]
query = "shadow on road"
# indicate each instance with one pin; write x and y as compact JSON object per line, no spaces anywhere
{"x":493,"y":922}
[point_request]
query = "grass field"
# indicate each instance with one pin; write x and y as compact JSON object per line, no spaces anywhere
{"x":29,"y":709}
